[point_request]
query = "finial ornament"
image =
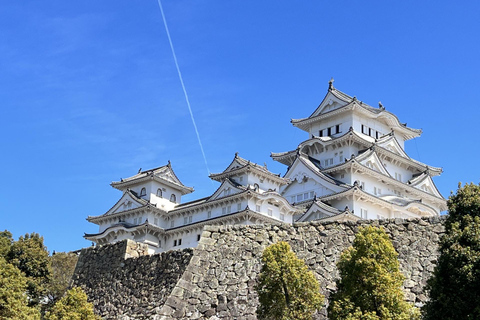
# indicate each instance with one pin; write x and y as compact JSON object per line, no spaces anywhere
{"x":380,"y":105}
{"x":139,"y":170}
{"x":330,"y":83}
{"x":236,"y":154}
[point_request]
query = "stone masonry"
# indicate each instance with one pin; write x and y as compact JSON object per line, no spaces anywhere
{"x":217,"y":278}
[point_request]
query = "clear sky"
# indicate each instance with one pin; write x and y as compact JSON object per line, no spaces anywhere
{"x":90,"y":94}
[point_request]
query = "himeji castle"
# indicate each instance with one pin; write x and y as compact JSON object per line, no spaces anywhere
{"x":352,"y":166}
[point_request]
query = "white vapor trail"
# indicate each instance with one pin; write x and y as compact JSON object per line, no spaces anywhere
{"x":183,"y":86}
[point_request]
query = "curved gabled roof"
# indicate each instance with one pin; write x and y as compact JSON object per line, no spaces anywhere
{"x":288,"y":157}
{"x":349,"y":103}
{"x":240,"y":165}
{"x":353,"y":162}
{"x":163,"y":174}
{"x":128,"y":194}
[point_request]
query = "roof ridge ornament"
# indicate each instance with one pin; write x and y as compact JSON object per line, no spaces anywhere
{"x":330,"y":84}
{"x":380,"y":105}
{"x":139,"y":170}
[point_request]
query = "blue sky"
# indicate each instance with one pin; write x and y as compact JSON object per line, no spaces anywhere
{"x":90,"y":93}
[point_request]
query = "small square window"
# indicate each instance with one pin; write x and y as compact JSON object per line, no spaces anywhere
{"x":270,"y":212}
{"x":300,"y":197}
{"x":209,"y":214}
{"x":282,"y":217}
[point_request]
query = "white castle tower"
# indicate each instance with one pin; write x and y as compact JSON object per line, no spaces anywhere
{"x":354,"y":166}
{"x":150,"y":210}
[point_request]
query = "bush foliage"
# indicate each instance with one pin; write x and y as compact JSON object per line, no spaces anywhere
{"x":370,"y":284}
{"x":286,"y":288}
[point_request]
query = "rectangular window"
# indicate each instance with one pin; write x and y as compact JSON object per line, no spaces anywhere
{"x":140,"y":220}
{"x":305,"y":196}
{"x":362,"y":185}
{"x":292,"y":199}
{"x":270,"y":212}
{"x":331,"y":161}
{"x":239,"y":206}
{"x":209,"y":214}
{"x":190,"y":219}
{"x":257,"y":208}
{"x":342,"y":176}
{"x":185,"y":220}
{"x":370,"y":131}
{"x":337,"y":128}
{"x":155,"y":221}
{"x":329,"y":131}
{"x":299,"y":197}
{"x":363,"y":128}
{"x":224,"y":210}
{"x":320,"y":133}
{"x":241,"y":179}
{"x":363,"y":213}
{"x":172,"y":223}
{"x":179,"y":242}
{"x":174,"y":243}
{"x":376,"y":134}
{"x":326,"y":162}
{"x":311,"y":194}
{"x":282,"y":217}
{"x":135,"y":221}
{"x":229,"y":209}
{"x":340,"y":157}
{"x":198,"y":237}
{"x":398,"y":176}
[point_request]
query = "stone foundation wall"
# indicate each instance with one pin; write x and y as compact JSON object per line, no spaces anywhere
{"x":123,"y":281}
{"x":216,"y":280}
{"x":219,"y":281}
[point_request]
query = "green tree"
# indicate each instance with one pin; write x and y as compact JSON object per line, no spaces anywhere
{"x":13,"y":301}
{"x":6,"y":242}
{"x":454,"y":287}
{"x":286,"y":288}
{"x":73,"y":306}
{"x":62,"y":265}
{"x":370,"y":284}
{"x":30,"y":255}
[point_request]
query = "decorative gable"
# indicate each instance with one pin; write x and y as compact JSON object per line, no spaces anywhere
{"x":372,"y":161}
{"x":391,"y":144}
{"x":227,"y":188}
{"x":329,"y":103}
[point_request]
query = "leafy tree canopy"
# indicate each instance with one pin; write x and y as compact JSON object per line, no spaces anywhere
{"x":6,"y":242}
{"x":286,"y":288}
{"x":370,"y":284}
{"x":454,"y":288}
{"x":73,"y":306}
{"x":13,"y":301}
{"x":30,"y":255}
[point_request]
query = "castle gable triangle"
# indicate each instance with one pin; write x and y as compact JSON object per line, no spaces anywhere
{"x":128,"y":201}
{"x":304,"y":170}
{"x":370,"y":159}
{"x":331,"y":102}
{"x":227,"y":188}
{"x":391,"y":144}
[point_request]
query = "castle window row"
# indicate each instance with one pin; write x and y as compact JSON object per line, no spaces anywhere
{"x":302,"y":196}
{"x":371,"y":132}
{"x":329,"y":131}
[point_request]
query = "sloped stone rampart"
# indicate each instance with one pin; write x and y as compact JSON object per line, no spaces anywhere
{"x":219,"y":281}
{"x":124,"y":282}
{"x":216,"y":280}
